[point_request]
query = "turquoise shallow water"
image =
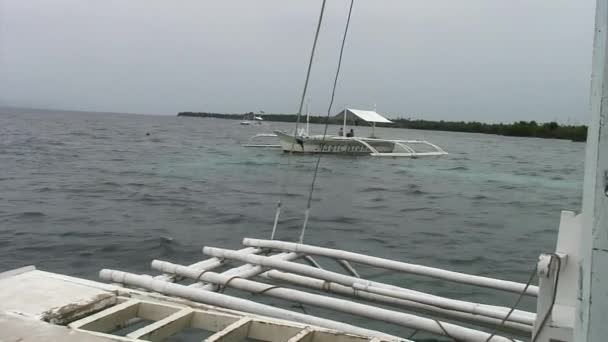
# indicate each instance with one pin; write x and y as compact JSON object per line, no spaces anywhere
{"x":79,"y":192}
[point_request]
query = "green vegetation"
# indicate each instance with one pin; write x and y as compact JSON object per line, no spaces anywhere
{"x":517,"y":129}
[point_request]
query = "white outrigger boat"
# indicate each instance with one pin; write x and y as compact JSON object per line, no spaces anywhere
{"x":302,"y":142}
{"x":571,"y":295}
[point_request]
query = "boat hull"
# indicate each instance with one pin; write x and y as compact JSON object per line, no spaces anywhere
{"x":332,"y":144}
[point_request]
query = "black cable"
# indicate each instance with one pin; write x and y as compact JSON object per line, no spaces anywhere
{"x":333,"y":95}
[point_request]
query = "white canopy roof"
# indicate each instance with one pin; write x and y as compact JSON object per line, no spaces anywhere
{"x":365,"y":115}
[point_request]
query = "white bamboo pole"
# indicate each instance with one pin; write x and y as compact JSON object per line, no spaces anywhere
{"x":322,"y":285}
{"x":438,"y":273}
{"x":225,"y":301}
{"x":246,"y":271}
{"x":474,"y":309}
{"x":312,"y":262}
{"x":348,"y":268}
{"x":424,"y":298}
{"x":403,"y":319}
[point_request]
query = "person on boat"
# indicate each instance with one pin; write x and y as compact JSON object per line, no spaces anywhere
{"x":341,"y":132}
{"x":351,"y":133}
{"x":300,"y":142}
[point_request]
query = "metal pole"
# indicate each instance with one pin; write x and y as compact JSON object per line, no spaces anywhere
{"x":344,"y":125}
{"x":308,"y":117}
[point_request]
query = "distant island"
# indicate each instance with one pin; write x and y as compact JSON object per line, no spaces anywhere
{"x":551,"y":130}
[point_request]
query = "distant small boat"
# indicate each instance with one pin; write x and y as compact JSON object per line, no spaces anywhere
{"x":251,"y":119}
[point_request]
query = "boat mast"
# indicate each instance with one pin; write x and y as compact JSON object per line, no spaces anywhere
{"x":374,"y":124}
{"x":592,"y":296}
{"x":308,"y":117}
{"x":344,"y":124}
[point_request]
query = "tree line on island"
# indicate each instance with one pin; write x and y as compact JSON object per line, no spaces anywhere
{"x":516,"y":129}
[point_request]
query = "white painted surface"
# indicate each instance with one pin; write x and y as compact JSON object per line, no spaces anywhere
{"x":37,"y":294}
{"x":592,"y":311}
{"x":365,"y":115}
{"x":14,"y":328}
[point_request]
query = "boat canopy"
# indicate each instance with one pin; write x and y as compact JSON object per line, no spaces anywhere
{"x":365,"y":115}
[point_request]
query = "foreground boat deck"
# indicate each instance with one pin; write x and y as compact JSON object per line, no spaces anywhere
{"x":188,"y":303}
{"x":43,"y":306}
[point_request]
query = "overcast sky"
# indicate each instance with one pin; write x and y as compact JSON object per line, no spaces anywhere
{"x":487,"y":60}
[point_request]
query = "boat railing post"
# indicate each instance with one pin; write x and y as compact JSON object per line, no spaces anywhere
{"x":406,"y":148}
{"x":593,"y":288}
{"x":308,"y":117}
{"x":370,"y":147}
{"x":344,"y":124}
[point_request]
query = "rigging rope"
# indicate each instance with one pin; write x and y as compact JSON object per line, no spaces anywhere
{"x":521,"y":296}
{"x":331,"y":102}
{"x":299,"y":115}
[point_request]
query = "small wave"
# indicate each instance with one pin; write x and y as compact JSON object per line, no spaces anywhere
{"x":54,"y":143}
{"x":91,"y":234}
{"x":80,"y":134}
{"x":480,"y":197}
{"x":468,"y":261}
{"x":342,"y":219}
{"x":432,"y":234}
{"x":373,"y":189}
{"x":352,"y":229}
{"x":405,"y":210}
{"x":507,"y":187}
{"x":30,"y":214}
{"x":378,"y":240}
{"x":250,"y":163}
{"x":456,"y":168}
{"x":109,"y":248}
{"x":166,"y":239}
{"x":233,"y":219}
{"x":375,"y":207}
